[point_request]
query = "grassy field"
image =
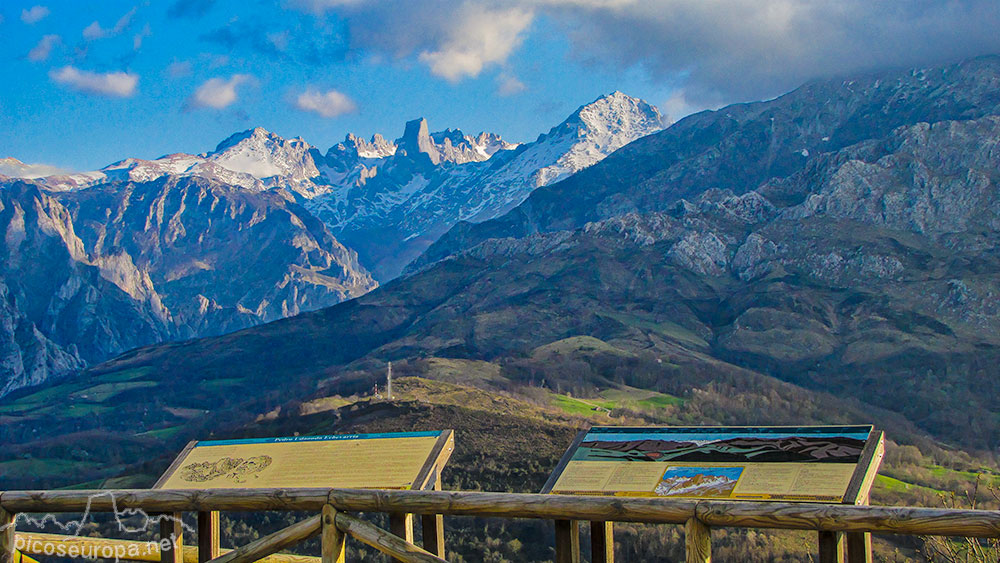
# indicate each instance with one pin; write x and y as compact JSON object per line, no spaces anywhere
{"x":607,"y":400}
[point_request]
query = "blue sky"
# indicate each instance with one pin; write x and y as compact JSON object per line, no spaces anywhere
{"x":91,"y":83}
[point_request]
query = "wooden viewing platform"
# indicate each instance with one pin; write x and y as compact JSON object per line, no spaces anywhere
{"x":334,"y":524}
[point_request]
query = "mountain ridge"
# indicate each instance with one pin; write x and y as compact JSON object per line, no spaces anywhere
{"x":778,"y":276}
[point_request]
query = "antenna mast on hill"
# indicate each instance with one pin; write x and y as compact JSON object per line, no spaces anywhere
{"x":388,"y":382}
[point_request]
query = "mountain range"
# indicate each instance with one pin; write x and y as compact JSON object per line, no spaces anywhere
{"x":261,"y":228}
{"x":842,"y":238}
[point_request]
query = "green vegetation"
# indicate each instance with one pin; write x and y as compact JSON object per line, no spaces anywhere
{"x":665,"y":328}
{"x":221,"y":383}
{"x":105,"y":391}
{"x":125,"y":375}
{"x":162,"y":433}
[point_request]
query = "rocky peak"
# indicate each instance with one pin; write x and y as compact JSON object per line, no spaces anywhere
{"x":378,"y":147}
{"x":416,"y":139}
{"x":612,"y":117}
{"x":262,"y":154}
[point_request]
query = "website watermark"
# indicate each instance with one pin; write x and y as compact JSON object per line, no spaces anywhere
{"x":71,"y":544}
{"x":75,"y":549}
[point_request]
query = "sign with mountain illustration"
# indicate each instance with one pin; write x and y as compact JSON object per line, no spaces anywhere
{"x":398,"y":460}
{"x":814,"y":463}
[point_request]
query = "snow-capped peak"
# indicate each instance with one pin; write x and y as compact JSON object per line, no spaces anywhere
{"x":450,"y":145}
{"x":589,"y":134}
{"x":612,"y":118}
{"x":262,"y":154}
{"x":378,"y":147}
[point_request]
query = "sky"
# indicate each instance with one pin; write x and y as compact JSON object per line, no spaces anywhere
{"x":90,"y":83}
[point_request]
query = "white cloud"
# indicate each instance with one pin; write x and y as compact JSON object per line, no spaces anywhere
{"x":327,"y":104}
{"x":17,"y":169}
{"x":178,"y":69}
{"x":509,"y":85}
{"x":456,"y":39}
{"x":34,"y":14}
{"x":138,"y":37}
{"x":480,"y":36}
{"x":718,"y":51}
{"x":678,"y":106}
{"x":112,"y":84}
{"x":42,"y":51}
{"x":94,"y":31}
{"x":125,"y":21}
{"x":217,"y":93}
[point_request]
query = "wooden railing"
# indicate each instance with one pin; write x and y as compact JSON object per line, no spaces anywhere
{"x":334,"y":523}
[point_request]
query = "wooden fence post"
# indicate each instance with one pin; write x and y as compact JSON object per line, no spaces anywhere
{"x":333,"y":542}
{"x":432,"y":526}
{"x":401,"y":525}
{"x":697,"y":541}
{"x":567,"y":541}
{"x":602,"y":542}
{"x":7,"y":536}
{"x":859,"y":547}
{"x":859,"y":544}
{"x":171,"y":538}
{"x":208,"y":536}
{"x":831,"y":547}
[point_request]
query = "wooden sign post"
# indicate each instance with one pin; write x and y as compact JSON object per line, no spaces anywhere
{"x":399,"y":460}
{"x":789,"y":464}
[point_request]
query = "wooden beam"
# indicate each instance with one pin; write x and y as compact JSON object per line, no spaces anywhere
{"x":384,"y":541}
{"x":831,"y":547}
{"x":167,"y":500}
{"x":7,"y":543}
{"x":789,"y":516}
{"x":273,"y":543}
{"x":175,"y":464}
{"x":439,"y":456}
{"x":563,"y":462}
{"x":514,"y":505}
{"x":567,"y":541}
{"x":697,"y":542}
{"x":332,"y":541}
{"x":869,"y":462}
{"x":602,"y":542}
{"x":129,"y":550}
{"x":208,"y":536}
{"x":171,"y":538}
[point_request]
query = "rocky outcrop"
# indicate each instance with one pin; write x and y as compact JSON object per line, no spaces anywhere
{"x":743,"y":147}
{"x":89,"y":274}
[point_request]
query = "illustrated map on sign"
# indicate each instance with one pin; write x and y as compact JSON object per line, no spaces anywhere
{"x":761,"y":463}
{"x":382,"y":461}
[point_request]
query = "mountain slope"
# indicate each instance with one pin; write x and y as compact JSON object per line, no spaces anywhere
{"x":743,"y":146}
{"x":91,"y":273}
{"x":868,"y":270}
{"x":175,"y":264}
{"x":392,"y":208}
{"x":390,"y":199}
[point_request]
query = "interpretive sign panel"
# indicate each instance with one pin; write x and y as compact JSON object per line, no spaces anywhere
{"x":401,"y":460}
{"x":810,"y":464}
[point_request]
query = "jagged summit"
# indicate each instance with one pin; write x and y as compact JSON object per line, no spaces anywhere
{"x":612,"y":115}
{"x":447,"y":146}
{"x":416,"y":139}
{"x":378,"y":147}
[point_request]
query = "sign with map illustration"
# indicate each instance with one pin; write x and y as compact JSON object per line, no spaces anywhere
{"x":400,"y":460}
{"x":813,"y":463}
